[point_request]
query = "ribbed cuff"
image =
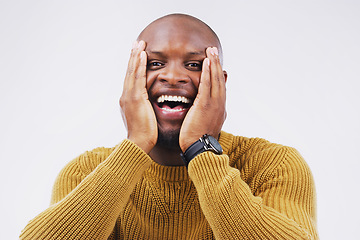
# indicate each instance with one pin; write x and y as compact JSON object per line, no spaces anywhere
{"x":208,"y":168}
{"x":127,"y":156}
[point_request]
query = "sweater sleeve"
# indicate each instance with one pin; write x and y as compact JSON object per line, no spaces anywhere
{"x":90,"y":210}
{"x":281,"y":207}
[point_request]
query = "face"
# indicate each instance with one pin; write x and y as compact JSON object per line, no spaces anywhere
{"x":175,"y":52}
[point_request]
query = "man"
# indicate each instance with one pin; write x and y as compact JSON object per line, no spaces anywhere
{"x":170,"y":179}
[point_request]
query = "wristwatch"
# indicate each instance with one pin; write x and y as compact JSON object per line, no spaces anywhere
{"x":205,"y":143}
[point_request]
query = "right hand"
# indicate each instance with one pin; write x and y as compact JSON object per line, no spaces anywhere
{"x":136,"y":110}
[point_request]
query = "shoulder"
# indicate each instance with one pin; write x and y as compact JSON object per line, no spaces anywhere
{"x":76,"y":170}
{"x":89,"y":160}
{"x":86,"y":162}
{"x":257,"y":156}
{"x":240,"y":148}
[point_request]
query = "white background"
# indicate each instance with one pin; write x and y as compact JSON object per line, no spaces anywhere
{"x":293,"y":69}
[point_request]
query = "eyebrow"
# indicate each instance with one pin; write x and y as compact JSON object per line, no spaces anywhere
{"x":201,"y":53}
{"x":197,"y":53}
{"x":156,"y":52}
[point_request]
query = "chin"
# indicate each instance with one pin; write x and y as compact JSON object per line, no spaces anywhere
{"x":169,"y":139}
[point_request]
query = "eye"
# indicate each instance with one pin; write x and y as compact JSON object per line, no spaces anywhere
{"x":154,"y":65}
{"x":194,"y":66}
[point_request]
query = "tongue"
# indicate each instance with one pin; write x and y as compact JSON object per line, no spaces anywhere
{"x":178,"y":107}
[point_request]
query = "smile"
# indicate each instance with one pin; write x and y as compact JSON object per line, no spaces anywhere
{"x":173,"y":104}
{"x":168,"y":98}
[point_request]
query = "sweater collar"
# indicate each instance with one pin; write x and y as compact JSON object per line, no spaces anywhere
{"x":167,"y":173}
{"x":179,"y":173}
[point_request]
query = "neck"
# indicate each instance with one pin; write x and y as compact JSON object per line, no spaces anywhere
{"x":166,"y":156}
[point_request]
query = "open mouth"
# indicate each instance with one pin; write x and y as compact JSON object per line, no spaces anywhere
{"x":170,"y":103}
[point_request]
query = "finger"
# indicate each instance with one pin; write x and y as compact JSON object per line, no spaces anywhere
{"x":140,"y":78}
{"x":222,"y":80}
{"x":134,"y":62}
{"x":133,"y":73}
{"x":205,"y":85}
{"x":140,"y":73}
{"x":131,"y":66}
{"x":215,"y":72}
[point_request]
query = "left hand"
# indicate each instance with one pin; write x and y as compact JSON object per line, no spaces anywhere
{"x":207,"y":114}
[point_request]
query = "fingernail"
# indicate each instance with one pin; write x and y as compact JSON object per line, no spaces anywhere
{"x":143,"y":55}
{"x":216,"y":52}
{"x":207,"y":62}
{"x":211,"y":51}
{"x":141,"y":44}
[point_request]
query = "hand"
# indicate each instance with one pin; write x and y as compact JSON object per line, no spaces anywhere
{"x":207,"y":114}
{"x":137,"y":112}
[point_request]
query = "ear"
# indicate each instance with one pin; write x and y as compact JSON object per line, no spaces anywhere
{"x":225,"y":75}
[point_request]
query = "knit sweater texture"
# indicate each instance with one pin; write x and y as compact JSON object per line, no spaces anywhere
{"x":254,"y":190}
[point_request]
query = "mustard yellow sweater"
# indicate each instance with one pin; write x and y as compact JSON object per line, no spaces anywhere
{"x":254,"y":190}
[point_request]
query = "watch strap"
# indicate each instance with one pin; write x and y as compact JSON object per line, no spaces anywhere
{"x":201,"y":145}
{"x":191,"y":152}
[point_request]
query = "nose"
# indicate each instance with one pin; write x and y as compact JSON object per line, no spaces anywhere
{"x":174,"y":74}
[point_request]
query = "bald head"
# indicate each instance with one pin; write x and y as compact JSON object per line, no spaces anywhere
{"x":179,"y":27}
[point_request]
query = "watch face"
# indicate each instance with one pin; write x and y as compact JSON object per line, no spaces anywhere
{"x":215,"y":144}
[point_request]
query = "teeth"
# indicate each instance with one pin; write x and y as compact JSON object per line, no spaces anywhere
{"x":163,"y":98}
{"x":173,"y":110}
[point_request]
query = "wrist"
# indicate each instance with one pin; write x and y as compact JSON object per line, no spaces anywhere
{"x":188,"y":143}
{"x":145,"y":145}
{"x":205,"y":143}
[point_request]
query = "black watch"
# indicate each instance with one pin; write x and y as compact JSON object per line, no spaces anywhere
{"x":205,"y":143}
